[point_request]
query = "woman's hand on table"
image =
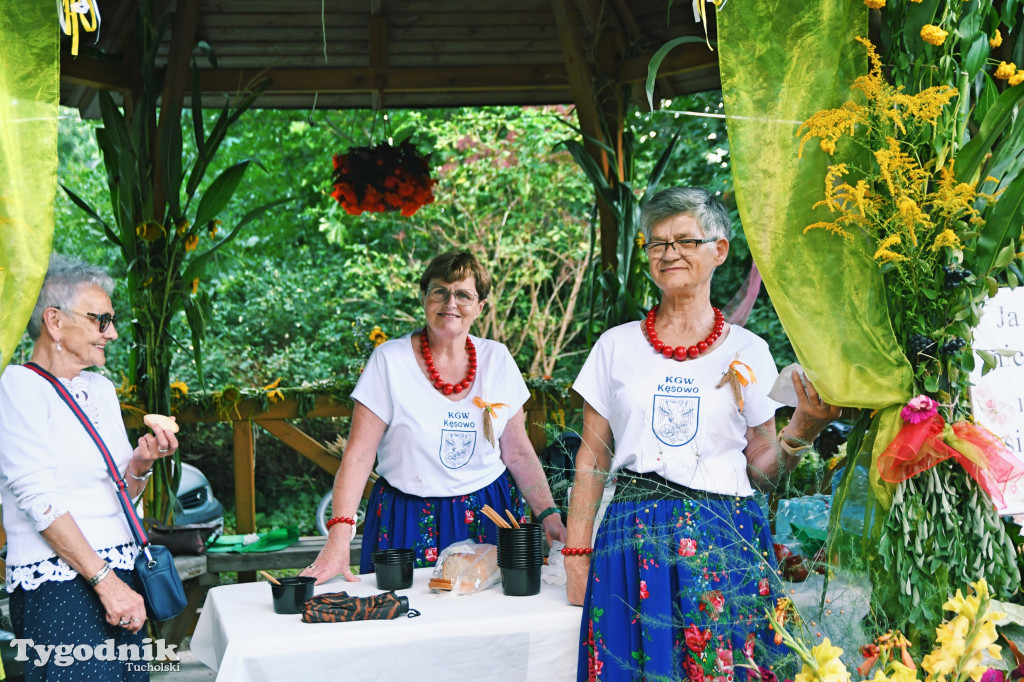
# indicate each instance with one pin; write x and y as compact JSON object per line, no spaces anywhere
{"x":334,"y":559}
{"x":553,"y":528}
{"x":577,"y":570}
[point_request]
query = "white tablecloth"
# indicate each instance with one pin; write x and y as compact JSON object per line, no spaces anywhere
{"x":484,"y":636}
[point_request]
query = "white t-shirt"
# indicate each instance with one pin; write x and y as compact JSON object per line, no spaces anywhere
{"x":49,"y":465}
{"x":668,"y":418}
{"x":435,"y":447}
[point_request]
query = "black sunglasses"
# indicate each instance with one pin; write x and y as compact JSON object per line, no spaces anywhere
{"x":105,"y":319}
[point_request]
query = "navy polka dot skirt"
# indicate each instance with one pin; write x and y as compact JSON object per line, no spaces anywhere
{"x":69,"y":617}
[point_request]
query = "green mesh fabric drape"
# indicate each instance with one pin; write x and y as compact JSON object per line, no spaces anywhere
{"x":781,"y":61}
{"x":29,"y":93}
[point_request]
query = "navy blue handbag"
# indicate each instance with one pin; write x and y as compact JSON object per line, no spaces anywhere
{"x":154,"y":566}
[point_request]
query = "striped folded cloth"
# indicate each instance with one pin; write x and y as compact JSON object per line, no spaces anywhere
{"x":339,"y":607}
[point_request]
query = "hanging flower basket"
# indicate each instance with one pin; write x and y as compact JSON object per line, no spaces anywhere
{"x":383,"y":178}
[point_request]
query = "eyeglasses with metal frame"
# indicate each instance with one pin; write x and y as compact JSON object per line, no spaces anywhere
{"x":679,"y":245}
{"x":463,"y":297}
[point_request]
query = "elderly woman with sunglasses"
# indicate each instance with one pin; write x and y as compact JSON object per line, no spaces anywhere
{"x":677,"y":582}
{"x":442,"y":413}
{"x":70,"y":553}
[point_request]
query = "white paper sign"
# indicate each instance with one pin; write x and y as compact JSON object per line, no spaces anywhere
{"x":998,"y":396}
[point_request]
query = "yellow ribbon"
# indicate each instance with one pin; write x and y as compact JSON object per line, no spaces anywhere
{"x":74,"y":11}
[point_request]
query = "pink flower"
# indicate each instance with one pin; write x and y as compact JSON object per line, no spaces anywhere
{"x":430,"y":554}
{"x":763,"y":588}
{"x":716,"y":600}
{"x":687,"y":547}
{"x":920,"y":408}
{"x":469,"y":516}
{"x":696,"y":640}
{"x":724,"y":660}
{"x":748,"y":646}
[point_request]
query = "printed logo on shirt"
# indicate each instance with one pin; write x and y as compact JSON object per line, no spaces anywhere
{"x":674,"y":419}
{"x":457,"y":447}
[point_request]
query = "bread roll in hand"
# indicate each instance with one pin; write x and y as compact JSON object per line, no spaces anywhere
{"x":158,"y":420}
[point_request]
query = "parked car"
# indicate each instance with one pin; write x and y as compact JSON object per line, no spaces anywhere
{"x":196,"y":500}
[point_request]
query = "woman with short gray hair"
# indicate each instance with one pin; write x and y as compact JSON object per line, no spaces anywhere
{"x":70,"y":553}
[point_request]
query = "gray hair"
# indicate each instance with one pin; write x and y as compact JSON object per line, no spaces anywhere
{"x":709,"y":212}
{"x":65,"y":278}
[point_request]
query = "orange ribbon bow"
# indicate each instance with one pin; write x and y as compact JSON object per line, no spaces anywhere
{"x":489,"y":412}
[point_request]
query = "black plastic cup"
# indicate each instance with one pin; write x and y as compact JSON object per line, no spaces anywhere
{"x":393,"y":568}
{"x":292,"y":593}
{"x":521,"y":548}
{"x":520,"y":582}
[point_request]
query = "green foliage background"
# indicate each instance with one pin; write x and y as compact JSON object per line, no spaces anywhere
{"x":297,"y":293}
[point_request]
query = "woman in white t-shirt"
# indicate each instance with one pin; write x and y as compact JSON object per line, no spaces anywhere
{"x":441,"y":411}
{"x":677,"y":581}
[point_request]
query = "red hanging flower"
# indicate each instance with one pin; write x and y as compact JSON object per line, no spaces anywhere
{"x":383,"y":178}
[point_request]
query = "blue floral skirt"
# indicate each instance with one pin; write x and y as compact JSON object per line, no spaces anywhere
{"x":429,"y":524}
{"x":678,"y":590}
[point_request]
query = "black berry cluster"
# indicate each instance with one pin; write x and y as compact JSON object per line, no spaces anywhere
{"x":955,"y":276}
{"x":953,"y":345}
{"x":920,"y":345}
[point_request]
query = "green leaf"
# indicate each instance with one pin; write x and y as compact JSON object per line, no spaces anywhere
{"x":170,"y":155}
{"x":970,"y":158}
{"x":658,"y":58}
{"x":197,"y":264}
{"x":197,"y":109}
{"x":988,"y":359}
{"x":219,"y":193}
{"x":659,"y":168}
{"x":80,"y":202}
{"x":977,"y":53}
{"x":1002,"y":225}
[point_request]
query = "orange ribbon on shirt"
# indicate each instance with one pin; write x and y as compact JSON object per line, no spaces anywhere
{"x":736,"y":380}
{"x":489,"y":412}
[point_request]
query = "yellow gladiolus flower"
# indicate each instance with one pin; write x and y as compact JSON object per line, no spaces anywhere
{"x":875,"y":4}
{"x":195,"y":286}
{"x":901,"y":673}
{"x":827,"y":665}
{"x":996,"y":40}
{"x":1005,"y":70}
{"x":1017,"y":78}
{"x":933,"y":35}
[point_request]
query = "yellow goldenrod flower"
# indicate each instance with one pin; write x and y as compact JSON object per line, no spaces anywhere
{"x":1005,"y":71}
{"x":996,"y":40}
{"x":179,"y":387}
{"x":886,"y":256}
{"x":947,"y":238}
{"x":826,"y":667}
{"x":830,"y":125}
{"x":191,"y":242}
{"x":834,"y":228}
{"x":933,"y":35}
{"x":875,"y":4}
{"x":1016,"y":79}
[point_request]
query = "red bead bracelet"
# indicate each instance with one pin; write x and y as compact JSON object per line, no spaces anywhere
{"x":340,"y":519}
{"x":573,"y":551}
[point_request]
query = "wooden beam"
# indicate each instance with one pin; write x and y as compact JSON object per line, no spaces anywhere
{"x":297,"y":440}
{"x":581,"y":83}
{"x":364,"y":80}
{"x":325,"y":406}
{"x":245,"y":477}
{"x":93,"y":73}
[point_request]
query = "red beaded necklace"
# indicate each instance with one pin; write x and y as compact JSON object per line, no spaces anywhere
{"x":682,"y":352}
{"x":435,"y":376}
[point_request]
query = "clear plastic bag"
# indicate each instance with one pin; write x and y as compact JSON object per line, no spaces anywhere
{"x":466,"y":567}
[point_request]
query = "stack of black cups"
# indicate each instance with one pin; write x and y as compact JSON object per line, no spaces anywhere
{"x":520,"y":556}
{"x":393,"y":568}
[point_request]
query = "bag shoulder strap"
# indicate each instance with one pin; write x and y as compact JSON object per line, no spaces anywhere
{"x":138,"y":531}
